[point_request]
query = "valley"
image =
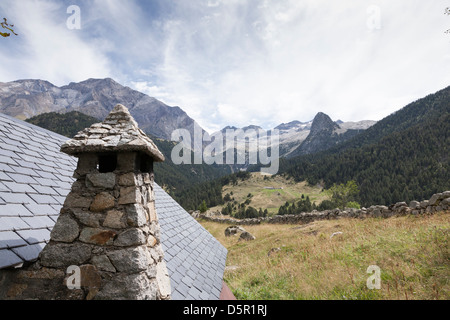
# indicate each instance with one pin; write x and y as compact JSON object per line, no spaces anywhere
{"x":269,"y":192}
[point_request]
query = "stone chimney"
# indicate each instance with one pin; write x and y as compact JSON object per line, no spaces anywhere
{"x":107,"y":236}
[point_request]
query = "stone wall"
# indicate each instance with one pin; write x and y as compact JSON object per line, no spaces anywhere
{"x":438,"y":202}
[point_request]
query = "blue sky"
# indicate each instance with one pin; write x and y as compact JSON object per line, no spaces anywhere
{"x":238,"y":62}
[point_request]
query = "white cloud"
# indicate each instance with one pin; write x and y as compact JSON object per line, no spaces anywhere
{"x":46,"y":48}
{"x":244,"y":62}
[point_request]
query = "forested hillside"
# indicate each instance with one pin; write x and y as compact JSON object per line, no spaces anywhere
{"x":209,"y":191}
{"x":179,"y":177}
{"x":403,"y":157}
{"x":66,"y":124}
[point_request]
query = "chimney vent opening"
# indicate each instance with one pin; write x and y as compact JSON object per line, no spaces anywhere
{"x":107,"y":163}
{"x":144,"y":163}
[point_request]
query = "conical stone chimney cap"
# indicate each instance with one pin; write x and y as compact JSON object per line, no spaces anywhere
{"x":119,"y":132}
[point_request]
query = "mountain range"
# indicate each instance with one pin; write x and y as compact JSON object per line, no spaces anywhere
{"x":402,"y":157}
{"x":96,"y":97}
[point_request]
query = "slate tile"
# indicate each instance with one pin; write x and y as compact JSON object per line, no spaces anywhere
{"x":30,"y":252}
{"x":35,"y":236}
{"x":64,"y":185}
{"x":10,"y":239}
{"x":176,"y":276}
{"x":6,"y":146}
{"x":3,"y":187}
{"x":54,"y":218}
{"x":4,"y":177}
{"x":61,"y":192}
{"x":21,"y":178}
{"x":187,"y":280}
{"x":195,"y":269}
{"x":209,"y":282}
{"x":6,"y":168}
{"x":204,"y":295}
{"x":13,"y":209}
{"x":67,"y":179}
{"x":31,"y":143}
{"x":194,"y":293}
{"x":47,"y":175}
{"x":30,"y":158}
{"x":12,"y":141}
{"x":32,"y":153}
{"x":9,"y":258}
{"x":47,"y":167}
{"x":16,"y":125}
{"x":43,"y":199}
{"x":191,"y":274}
{"x":59,"y":199}
{"x":57,"y":208}
{"x":16,"y":198}
{"x":12,"y":223}
{"x":218,"y":284}
{"x":39,"y":222}
{"x":176,"y":295}
{"x":23,"y":170}
{"x":41,"y":209}
{"x":21,"y":131}
{"x":7,"y":160}
{"x":66,"y":173}
{"x":30,"y":165}
{"x":18,"y":187}
{"x":183,"y":289}
{"x":46,"y":182}
{"x":43,"y":190}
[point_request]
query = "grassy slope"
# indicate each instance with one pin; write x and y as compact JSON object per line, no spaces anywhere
{"x":412,"y":252}
{"x":271,"y":199}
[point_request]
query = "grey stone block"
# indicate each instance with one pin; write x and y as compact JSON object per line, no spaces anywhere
{"x":103,"y":180}
{"x":130,"y":260}
{"x":65,"y":230}
{"x":59,"y":255}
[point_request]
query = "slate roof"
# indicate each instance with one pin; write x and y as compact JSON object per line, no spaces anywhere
{"x":195,"y":259}
{"x":35,"y":178}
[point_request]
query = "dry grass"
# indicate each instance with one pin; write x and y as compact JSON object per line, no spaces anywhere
{"x":305,"y":263}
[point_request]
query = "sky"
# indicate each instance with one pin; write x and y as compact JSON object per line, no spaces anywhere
{"x":239,"y":62}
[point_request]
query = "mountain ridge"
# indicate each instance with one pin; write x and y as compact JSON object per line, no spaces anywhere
{"x":94,"y":97}
{"x":402,"y":157}
{"x":25,"y":98}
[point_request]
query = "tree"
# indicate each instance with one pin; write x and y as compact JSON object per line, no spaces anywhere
{"x":342,"y":194}
{"x":7,"y":26}
{"x":202,"y":208}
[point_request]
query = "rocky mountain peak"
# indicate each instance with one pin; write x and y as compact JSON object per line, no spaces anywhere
{"x":323,"y":122}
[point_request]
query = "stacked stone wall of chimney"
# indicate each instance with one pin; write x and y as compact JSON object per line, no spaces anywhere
{"x":106,"y":241}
